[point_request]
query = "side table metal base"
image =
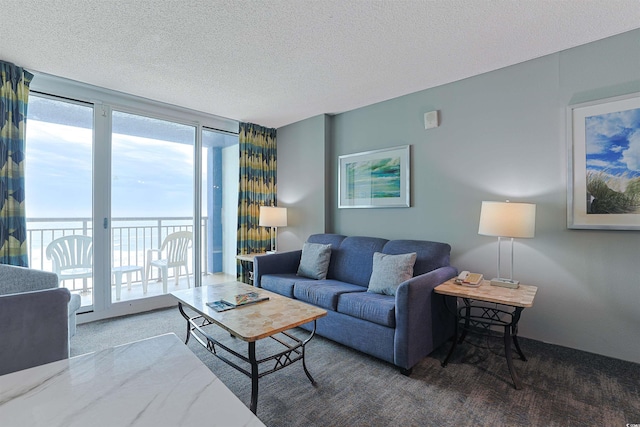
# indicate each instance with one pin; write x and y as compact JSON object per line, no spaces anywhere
{"x":483,"y":318}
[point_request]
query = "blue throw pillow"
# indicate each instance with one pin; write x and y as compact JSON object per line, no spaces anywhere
{"x":314,"y":262}
{"x":389,"y":271}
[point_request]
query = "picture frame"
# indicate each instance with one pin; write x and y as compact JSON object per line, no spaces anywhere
{"x":375,"y":179}
{"x":603,"y":185}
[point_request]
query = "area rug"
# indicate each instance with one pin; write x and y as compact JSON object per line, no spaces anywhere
{"x":561,"y":386}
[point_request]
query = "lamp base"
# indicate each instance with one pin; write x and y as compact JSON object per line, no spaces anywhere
{"x":505,"y":283}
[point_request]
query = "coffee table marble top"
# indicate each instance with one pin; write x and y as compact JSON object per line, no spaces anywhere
{"x":153,"y":382}
{"x":522,"y":296}
{"x":254,"y":321}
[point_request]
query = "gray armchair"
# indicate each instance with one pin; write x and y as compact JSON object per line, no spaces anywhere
{"x":33,"y":328}
{"x":15,"y":280}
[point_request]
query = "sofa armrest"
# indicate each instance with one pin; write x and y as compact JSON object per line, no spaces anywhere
{"x":423,"y":322}
{"x":20,"y":279}
{"x":34,"y":329}
{"x":278,"y":263}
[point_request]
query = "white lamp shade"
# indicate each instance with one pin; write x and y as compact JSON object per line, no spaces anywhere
{"x":271,"y":216}
{"x":505,"y":219}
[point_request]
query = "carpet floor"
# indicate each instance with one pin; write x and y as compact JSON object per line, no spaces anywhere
{"x":561,"y":386}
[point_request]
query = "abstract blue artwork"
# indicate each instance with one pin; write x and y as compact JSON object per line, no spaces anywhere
{"x":374,"y":179}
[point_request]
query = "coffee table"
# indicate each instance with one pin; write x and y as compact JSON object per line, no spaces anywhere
{"x":250,"y":323}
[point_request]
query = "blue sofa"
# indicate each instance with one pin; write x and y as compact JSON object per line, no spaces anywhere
{"x":401,"y":329}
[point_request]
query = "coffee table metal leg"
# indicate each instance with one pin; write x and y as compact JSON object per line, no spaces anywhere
{"x":254,"y":376}
{"x":186,"y":341}
{"x":304,"y":360}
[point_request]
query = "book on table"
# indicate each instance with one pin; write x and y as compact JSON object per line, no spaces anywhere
{"x":236,"y":301}
{"x":220,"y":305}
{"x":245,"y":299}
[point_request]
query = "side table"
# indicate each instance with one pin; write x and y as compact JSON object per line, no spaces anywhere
{"x":246,"y":261}
{"x":473,"y":317}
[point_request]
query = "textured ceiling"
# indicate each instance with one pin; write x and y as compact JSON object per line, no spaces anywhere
{"x":280,"y":61}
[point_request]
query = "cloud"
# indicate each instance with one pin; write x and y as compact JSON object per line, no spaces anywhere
{"x":599,"y":164}
{"x":602,"y":128}
{"x":59,"y":173}
{"x":617,"y":148}
{"x":631,"y":156}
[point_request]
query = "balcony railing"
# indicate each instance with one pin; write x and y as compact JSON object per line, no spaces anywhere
{"x":130,"y":238}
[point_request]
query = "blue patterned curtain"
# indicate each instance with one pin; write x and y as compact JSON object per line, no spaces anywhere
{"x":14,"y":94}
{"x":257,"y":187}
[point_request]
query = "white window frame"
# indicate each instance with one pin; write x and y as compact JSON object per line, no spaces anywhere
{"x":104,"y":102}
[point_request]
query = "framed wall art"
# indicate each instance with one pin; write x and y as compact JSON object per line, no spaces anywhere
{"x":603,"y":189}
{"x":374,"y":179}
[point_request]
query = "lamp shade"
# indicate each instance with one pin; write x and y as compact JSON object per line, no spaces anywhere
{"x":271,"y":216}
{"x":505,"y":219}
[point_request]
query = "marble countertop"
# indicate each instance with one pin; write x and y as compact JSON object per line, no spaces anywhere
{"x":154,"y":382}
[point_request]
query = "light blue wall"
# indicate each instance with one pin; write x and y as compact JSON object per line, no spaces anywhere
{"x":502,"y":136}
{"x":302,"y":154}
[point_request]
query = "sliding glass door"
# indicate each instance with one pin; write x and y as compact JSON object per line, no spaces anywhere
{"x":58,"y":196}
{"x":121,"y":182}
{"x":152,"y":187}
{"x":219,"y":196}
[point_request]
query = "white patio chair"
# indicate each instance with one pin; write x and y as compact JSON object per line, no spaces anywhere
{"x":172,"y":254}
{"x":72,"y":257}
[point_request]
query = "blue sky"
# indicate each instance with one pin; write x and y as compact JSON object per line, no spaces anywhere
{"x":613,"y":143}
{"x":149,"y":177}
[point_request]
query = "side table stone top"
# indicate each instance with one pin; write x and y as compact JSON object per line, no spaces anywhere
{"x":523,"y":296}
{"x":249,"y":257}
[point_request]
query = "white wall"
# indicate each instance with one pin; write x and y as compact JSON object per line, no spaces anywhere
{"x":502,"y":136}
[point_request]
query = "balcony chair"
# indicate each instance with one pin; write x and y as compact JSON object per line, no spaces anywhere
{"x":172,"y":254}
{"x":72,"y":257}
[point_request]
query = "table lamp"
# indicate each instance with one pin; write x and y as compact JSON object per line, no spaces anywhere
{"x":505,"y":219}
{"x":274,"y":217}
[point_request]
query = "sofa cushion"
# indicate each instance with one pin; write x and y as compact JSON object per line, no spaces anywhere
{"x":389,"y":271}
{"x":335,"y":240}
{"x":430,"y":255}
{"x":314,"y":262}
{"x":280,"y":283}
{"x":352,"y":262}
{"x":323,"y":293}
{"x":375,"y":308}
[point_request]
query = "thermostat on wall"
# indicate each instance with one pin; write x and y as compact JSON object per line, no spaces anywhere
{"x":431,"y":119}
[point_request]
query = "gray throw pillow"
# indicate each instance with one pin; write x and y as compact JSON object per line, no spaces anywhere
{"x":314,"y":263}
{"x":389,"y":271}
